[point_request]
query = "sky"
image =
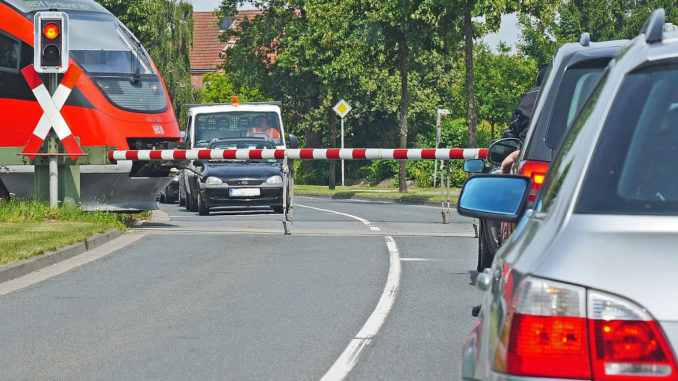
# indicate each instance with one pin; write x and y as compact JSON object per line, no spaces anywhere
{"x":508,"y":32}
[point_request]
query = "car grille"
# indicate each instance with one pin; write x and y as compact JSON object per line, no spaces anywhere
{"x":244,"y":182}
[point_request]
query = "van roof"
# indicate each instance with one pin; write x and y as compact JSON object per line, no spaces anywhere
{"x":243,"y":107}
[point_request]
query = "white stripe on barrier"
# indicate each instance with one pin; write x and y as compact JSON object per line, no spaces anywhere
{"x":308,"y":154}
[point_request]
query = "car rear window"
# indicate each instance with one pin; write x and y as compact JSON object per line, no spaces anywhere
{"x":574,"y":90}
{"x":633,"y":166}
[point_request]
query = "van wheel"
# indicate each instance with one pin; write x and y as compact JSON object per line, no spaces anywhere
{"x":203,"y":210}
{"x":278,"y":209}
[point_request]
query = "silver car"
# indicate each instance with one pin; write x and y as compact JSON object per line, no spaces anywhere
{"x":586,"y":286}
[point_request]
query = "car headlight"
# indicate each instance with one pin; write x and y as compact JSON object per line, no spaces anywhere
{"x":213,"y":181}
{"x":274,"y":180}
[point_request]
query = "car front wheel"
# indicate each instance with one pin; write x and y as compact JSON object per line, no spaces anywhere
{"x":203,"y":210}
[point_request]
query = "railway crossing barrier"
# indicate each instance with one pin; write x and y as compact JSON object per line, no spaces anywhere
{"x":289,"y":155}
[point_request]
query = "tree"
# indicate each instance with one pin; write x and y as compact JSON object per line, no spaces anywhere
{"x":502,"y":79}
{"x":220,"y":89}
{"x":165,"y":28}
{"x":406,"y":29}
{"x":603,"y":19}
{"x":491,"y":10}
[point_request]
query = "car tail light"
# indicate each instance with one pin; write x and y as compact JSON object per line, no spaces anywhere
{"x":627,"y":344}
{"x":545,"y":335}
{"x":536,"y":170}
{"x":550,"y":333}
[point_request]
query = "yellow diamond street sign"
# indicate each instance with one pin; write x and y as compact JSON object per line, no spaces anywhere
{"x":342,"y":108}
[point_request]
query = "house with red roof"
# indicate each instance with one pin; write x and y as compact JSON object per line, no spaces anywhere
{"x":206,"y":53}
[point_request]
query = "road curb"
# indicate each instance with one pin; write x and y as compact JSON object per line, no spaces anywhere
{"x":29,"y":265}
{"x":385,"y":200}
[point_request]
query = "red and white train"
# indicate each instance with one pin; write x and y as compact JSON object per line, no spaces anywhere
{"x":119,"y":101}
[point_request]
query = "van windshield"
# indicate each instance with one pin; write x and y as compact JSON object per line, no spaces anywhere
{"x":238,"y":124}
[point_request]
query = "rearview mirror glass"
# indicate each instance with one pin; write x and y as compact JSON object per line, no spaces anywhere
{"x":474,"y":166}
{"x":294,"y":141}
{"x":495,"y":197}
{"x":501,"y":149}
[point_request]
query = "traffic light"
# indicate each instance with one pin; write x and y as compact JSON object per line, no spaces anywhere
{"x":51,"y":42}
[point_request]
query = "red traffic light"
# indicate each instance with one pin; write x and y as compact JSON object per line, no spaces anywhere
{"x":51,"y":31}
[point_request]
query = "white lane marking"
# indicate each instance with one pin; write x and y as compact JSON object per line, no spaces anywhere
{"x":349,"y":357}
{"x":364,"y":221}
{"x":69,"y":264}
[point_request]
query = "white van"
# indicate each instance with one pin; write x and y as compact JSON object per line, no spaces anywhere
{"x":213,"y":121}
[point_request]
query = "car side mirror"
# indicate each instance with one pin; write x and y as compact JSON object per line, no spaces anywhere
{"x":294,"y":141}
{"x":501,"y":149}
{"x":474,"y":166}
{"x":494,"y":197}
{"x":198,"y":163}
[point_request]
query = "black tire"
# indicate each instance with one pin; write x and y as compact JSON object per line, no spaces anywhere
{"x":485,"y":252}
{"x":187,"y":202}
{"x":203,"y":210}
{"x":194,"y":203}
{"x":278,"y":209}
{"x":162,"y":199}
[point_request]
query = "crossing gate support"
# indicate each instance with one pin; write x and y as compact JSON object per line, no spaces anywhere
{"x":289,"y":155}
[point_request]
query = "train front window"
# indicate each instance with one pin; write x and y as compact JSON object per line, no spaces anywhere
{"x":9,"y":53}
{"x":116,"y":62}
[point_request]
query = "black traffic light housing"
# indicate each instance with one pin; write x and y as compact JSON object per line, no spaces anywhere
{"x":51,"y":42}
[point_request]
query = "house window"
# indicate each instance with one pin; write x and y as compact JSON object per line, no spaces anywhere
{"x":226,"y":23}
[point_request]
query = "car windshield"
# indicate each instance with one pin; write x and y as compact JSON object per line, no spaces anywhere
{"x":238,"y":124}
{"x":632,"y":170}
{"x":575,"y":88}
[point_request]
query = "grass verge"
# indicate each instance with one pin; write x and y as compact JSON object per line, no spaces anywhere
{"x":415,"y":194}
{"x":29,"y":228}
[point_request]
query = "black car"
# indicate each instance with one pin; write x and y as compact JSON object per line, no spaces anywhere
{"x":170,"y":194}
{"x":240,"y":184}
{"x":574,"y":71}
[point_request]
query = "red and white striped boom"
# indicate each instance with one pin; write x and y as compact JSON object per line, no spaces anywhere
{"x":302,"y":154}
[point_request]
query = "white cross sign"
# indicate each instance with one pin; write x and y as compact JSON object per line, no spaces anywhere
{"x":51,"y":106}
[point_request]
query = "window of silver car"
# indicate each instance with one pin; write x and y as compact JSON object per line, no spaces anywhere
{"x":575,"y":88}
{"x":632,"y":170}
{"x":560,"y":167}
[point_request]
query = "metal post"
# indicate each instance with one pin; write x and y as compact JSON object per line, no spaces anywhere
{"x":435,"y":162}
{"x":286,"y":180}
{"x":53,"y":165}
{"x":342,"y":147}
{"x":53,"y":182}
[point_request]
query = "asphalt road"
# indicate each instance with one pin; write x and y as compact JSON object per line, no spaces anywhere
{"x":228,"y":296}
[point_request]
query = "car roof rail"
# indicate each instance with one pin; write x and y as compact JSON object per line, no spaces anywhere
{"x":585,"y":39}
{"x":654,"y":26}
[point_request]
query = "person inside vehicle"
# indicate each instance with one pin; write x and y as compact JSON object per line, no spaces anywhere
{"x":520,"y":119}
{"x":263,"y":127}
